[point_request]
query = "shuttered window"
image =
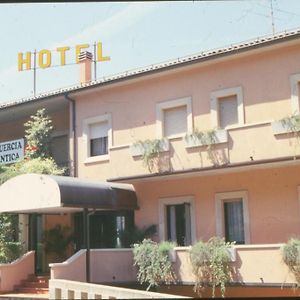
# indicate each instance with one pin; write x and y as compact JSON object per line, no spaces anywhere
{"x":98,"y":138}
{"x":175,"y":120}
{"x":228,"y":111}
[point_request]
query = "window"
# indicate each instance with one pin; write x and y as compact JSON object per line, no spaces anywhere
{"x":228,"y":113}
{"x":98,"y":138}
{"x":97,"y":135}
{"x":232,"y":218}
{"x":227,"y":107}
{"x":175,"y":121}
{"x":174,"y":118}
{"x":295,"y":81}
{"x":177,"y":221}
{"x":179,"y":224}
{"x":234,"y":221}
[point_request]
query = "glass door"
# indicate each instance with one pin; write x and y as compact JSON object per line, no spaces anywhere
{"x":36,"y":241}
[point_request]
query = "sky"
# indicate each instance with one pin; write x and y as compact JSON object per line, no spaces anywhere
{"x":133,"y":34}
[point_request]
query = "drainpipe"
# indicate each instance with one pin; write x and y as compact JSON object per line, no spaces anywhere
{"x":73,"y":116}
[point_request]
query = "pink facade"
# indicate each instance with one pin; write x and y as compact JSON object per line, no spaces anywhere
{"x":244,"y":187}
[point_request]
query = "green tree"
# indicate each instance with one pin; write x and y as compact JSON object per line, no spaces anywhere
{"x":37,"y":160}
{"x":38,"y":135}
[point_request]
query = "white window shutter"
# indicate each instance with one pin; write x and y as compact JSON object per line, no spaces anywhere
{"x":175,"y":120}
{"x":98,"y":130}
{"x":228,"y":111}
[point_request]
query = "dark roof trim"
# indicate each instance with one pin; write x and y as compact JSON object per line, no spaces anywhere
{"x":232,"y":166}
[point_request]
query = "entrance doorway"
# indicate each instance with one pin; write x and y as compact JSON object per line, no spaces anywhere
{"x":36,"y":241}
{"x":105,"y":228}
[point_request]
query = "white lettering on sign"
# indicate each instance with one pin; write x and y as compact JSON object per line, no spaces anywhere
{"x":11,"y":151}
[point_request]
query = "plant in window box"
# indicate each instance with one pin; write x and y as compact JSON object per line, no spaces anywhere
{"x":154,"y":265}
{"x":292,"y":125}
{"x":211,"y":264}
{"x":291,"y":256}
{"x":209,"y":139}
{"x":150,"y":150}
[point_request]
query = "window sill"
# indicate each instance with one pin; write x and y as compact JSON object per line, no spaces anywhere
{"x":175,"y":136}
{"x":221,"y":137}
{"x":96,"y":159}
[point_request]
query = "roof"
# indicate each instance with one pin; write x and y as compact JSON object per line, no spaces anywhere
{"x":59,"y":194}
{"x":174,"y":63}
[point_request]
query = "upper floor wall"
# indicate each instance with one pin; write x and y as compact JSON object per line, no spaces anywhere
{"x":15,"y":129}
{"x":242,"y":94}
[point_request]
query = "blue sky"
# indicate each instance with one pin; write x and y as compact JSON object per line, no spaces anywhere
{"x":134,"y":34}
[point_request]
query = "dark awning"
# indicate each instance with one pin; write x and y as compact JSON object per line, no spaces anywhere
{"x":58,"y":194}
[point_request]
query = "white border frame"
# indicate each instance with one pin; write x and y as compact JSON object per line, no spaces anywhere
{"x":163,"y":215}
{"x":86,"y":137}
{"x":160,"y":107}
{"x":220,"y":198}
{"x":214,"y":107}
{"x":294,"y":82}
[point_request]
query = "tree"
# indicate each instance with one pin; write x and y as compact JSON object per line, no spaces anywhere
{"x":37,"y":160}
{"x":38,"y":135}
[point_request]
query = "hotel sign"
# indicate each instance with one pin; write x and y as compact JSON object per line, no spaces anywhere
{"x":11,"y":151}
{"x":44,"y":57}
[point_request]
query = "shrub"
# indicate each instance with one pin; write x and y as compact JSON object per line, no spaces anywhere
{"x":134,"y":235}
{"x":291,"y":256}
{"x":57,"y":240}
{"x":10,"y":248}
{"x":211,"y":264}
{"x":154,"y":266}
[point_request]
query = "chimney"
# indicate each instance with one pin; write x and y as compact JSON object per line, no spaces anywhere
{"x":85,"y":61}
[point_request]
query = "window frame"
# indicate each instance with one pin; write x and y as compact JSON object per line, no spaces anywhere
{"x":161,"y":106}
{"x":214,"y":105}
{"x":222,"y":197}
{"x":87,"y":140}
{"x":295,"y":89}
{"x":162,"y":212}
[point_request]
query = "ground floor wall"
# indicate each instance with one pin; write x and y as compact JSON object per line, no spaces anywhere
{"x":272,"y":206}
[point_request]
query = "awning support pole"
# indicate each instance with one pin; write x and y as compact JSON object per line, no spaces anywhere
{"x":86,"y":237}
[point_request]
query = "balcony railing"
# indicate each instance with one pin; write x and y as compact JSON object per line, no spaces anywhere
{"x":254,"y":265}
{"x":248,"y":143}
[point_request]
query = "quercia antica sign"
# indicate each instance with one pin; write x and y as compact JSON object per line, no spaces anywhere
{"x":11,"y":151}
{"x":44,"y":57}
